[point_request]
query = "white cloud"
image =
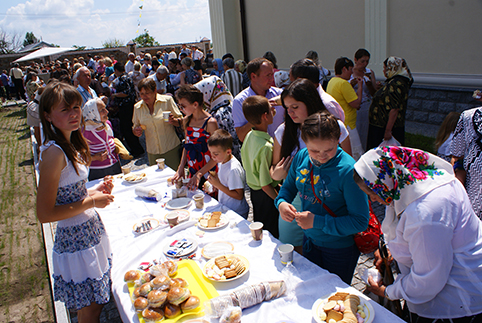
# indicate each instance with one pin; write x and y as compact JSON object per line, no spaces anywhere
{"x":89,"y":23}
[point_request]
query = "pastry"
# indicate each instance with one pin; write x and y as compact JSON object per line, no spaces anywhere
{"x":161,"y":282}
{"x":191,"y":303}
{"x":156,"y":298}
{"x":171,"y":310}
{"x":178,"y":282}
{"x":145,"y":289}
{"x":152,"y":314}
{"x":131,"y":276}
{"x":230,"y":273}
{"x":170,"y":266}
{"x":221,"y":262}
{"x":177,"y":295}
{"x":140,"y":304}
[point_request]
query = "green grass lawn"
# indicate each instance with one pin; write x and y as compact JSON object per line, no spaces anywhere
{"x":420,"y":142}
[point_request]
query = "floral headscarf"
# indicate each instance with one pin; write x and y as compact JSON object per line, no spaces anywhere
{"x":401,"y":175}
{"x":214,"y":91}
{"x":397,"y":66}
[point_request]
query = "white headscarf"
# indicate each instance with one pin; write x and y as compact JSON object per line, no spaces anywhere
{"x":91,"y":115}
{"x":214,"y":91}
{"x":399,"y":176}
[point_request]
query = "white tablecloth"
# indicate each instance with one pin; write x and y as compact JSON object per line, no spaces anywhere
{"x":307,"y":281}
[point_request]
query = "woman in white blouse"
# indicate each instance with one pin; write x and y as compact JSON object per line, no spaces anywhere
{"x":431,"y":230}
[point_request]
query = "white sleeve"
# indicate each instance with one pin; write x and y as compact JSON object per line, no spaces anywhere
{"x":343,"y":131}
{"x":431,"y":255}
{"x":235,"y":180}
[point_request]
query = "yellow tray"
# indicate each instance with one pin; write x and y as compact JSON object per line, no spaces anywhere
{"x":198,"y":285}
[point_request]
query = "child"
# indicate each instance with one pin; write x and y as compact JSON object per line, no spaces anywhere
{"x":257,"y":154}
{"x":82,"y":256}
{"x":445,"y":134}
{"x":199,"y":126}
{"x":231,"y":178}
{"x":100,"y":138}
{"x":322,"y":175}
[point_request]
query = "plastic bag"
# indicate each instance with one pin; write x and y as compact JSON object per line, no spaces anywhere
{"x":390,"y":142}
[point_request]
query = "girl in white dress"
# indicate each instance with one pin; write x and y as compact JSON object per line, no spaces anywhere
{"x":82,"y":257}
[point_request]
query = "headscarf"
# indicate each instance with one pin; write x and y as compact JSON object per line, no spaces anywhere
{"x":281,"y":79}
{"x":214,"y":92}
{"x":397,"y":66}
{"x":91,"y":115}
{"x":399,"y":176}
{"x":220,"y":69}
{"x":241,"y":65}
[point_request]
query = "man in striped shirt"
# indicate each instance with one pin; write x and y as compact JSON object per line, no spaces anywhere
{"x":232,"y":78}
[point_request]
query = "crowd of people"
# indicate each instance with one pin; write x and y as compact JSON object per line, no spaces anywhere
{"x":299,"y":144}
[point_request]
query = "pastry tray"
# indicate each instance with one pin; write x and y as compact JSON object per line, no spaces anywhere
{"x":199,"y":286}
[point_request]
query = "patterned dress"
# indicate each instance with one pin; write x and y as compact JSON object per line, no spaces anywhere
{"x":196,"y":146}
{"x":467,"y":142}
{"x":82,"y":258}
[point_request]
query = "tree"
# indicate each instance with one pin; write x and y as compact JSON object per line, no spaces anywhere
{"x":145,"y":40}
{"x":9,"y":42}
{"x":113,"y":42}
{"x":78,"y":47}
{"x":30,"y":39}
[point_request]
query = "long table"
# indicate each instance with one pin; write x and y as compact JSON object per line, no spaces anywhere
{"x":307,"y":282}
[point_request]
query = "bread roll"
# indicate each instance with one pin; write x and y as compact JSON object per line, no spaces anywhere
{"x":191,"y":303}
{"x":171,"y":310}
{"x":131,"y":276}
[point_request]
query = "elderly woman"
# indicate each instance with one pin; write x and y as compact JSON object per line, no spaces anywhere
{"x":218,"y":67}
{"x":188,"y":74}
{"x":218,"y":103}
{"x":389,"y":104}
{"x":161,"y":138}
{"x":466,"y":150}
{"x":432,"y":233}
{"x":100,"y":138}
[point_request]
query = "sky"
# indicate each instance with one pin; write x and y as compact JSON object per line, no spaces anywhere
{"x":91,"y":23}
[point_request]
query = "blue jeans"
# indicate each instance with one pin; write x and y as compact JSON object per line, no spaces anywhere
{"x":341,"y":262}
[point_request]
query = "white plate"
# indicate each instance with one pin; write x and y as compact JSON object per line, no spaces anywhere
{"x":179,"y":203}
{"x":215,"y":249}
{"x":139,"y":178}
{"x":183,"y":215}
{"x":223,"y":221}
{"x":175,"y":250}
{"x":154,"y":224}
{"x":210,"y":264}
{"x":318,"y":306}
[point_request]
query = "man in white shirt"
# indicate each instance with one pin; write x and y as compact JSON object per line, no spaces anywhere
{"x":82,"y":76}
{"x":160,"y":78}
{"x":196,"y":53}
{"x":129,"y":67}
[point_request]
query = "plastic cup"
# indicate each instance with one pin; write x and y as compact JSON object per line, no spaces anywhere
{"x":165,"y":115}
{"x":126,"y":169}
{"x":199,"y":200}
{"x":256,"y":230}
{"x":161,"y":163}
{"x":286,"y":253}
{"x":172,"y":219}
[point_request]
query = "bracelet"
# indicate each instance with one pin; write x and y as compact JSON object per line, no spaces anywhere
{"x":93,"y":201}
{"x":459,"y":164}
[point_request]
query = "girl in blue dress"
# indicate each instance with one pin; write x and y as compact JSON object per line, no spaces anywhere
{"x":82,"y":256}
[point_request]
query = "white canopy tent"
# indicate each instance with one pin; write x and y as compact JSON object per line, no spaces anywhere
{"x":42,"y":52}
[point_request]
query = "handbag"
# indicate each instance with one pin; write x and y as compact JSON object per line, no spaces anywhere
{"x":366,"y":241}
